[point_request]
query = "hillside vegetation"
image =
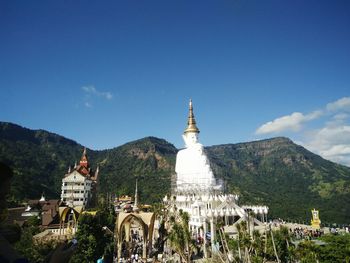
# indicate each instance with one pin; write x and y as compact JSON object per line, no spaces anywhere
{"x":288,"y":178}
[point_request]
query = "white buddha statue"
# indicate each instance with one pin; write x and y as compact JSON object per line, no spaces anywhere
{"x":192,"y":165}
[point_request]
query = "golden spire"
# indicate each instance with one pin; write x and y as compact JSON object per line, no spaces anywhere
{"x":191,"y":123}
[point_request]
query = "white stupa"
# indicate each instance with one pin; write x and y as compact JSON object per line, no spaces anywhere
{"x":192,"y":165}
{"x":197,"y":193}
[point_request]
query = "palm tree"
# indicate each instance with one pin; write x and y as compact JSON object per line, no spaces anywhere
{"x":265,"y":245}
{"x":238,"y":238}
{"x":285,"y":234}
{"x":274,"y":246}
{"x":244,"y":241}
{"x":162,"y":214}
{"x":180,"y":237}
{"x":257,"y":246}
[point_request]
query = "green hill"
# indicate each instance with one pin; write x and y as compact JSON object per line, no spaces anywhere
{"x":152,"y":160}
{"x":288,"y":178}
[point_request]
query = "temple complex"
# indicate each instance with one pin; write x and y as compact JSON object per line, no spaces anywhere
{"x":198,"y":193}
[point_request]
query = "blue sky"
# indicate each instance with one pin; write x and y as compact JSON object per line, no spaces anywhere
{"x":108,"y":72}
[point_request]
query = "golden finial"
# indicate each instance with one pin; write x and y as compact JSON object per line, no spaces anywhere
{"x":191,"y":123}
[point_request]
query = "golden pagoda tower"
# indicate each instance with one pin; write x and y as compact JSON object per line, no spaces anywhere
{"x":191,"y":122}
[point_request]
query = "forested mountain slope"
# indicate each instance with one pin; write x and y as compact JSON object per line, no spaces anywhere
{"x":288,"y":178}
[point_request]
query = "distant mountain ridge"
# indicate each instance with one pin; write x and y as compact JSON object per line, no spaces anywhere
{"x":288,"y":178}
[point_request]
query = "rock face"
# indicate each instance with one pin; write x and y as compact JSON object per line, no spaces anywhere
{"x":276,"y":172}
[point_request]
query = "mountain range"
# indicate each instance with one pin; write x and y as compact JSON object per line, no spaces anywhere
{"x":275,"y":172}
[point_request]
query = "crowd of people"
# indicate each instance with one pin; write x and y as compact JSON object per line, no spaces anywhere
{"x":304,"y":233}
{"x":132,"y":251}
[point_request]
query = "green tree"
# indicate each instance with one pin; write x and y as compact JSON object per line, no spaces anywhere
{"x":25,"y":245}
{"x":162,"y":215}
{"x":307,"y":251}
{"x":335,"y":249}
{"x":93,"y":242}
{"x":180,"y":237}
{"x":274,"y":245}
{"x":34,"y":252}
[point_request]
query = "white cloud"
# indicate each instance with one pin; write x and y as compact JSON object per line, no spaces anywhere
{"x":341,"y":104}
{"x":91,"y":90}
{"x":87,"y":104}
{"x":337,"y":120}
{"x":341,"y":116}
{"x":336,"y":150}
{"x":291,"y":122}
{"x":91,"y":93}
{"x":331,"y":142}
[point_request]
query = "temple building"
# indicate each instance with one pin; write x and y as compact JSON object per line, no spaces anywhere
{"x":79,"y":184}
{"x":44,"y":210}
{"x":198,"y":192}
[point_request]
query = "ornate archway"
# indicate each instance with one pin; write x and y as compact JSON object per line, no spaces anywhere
{"x":69,"y":219}
{"x":123,"y":230}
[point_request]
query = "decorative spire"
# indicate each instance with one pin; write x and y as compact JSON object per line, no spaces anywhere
{"x":136,"y":203}
{"x":75,"y":165}
{"x":69,"y":169}
{"x":191,"y":123}
{"x":42,"y":199}
{"x":96,"y":173}
{"x":84,"y":161}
